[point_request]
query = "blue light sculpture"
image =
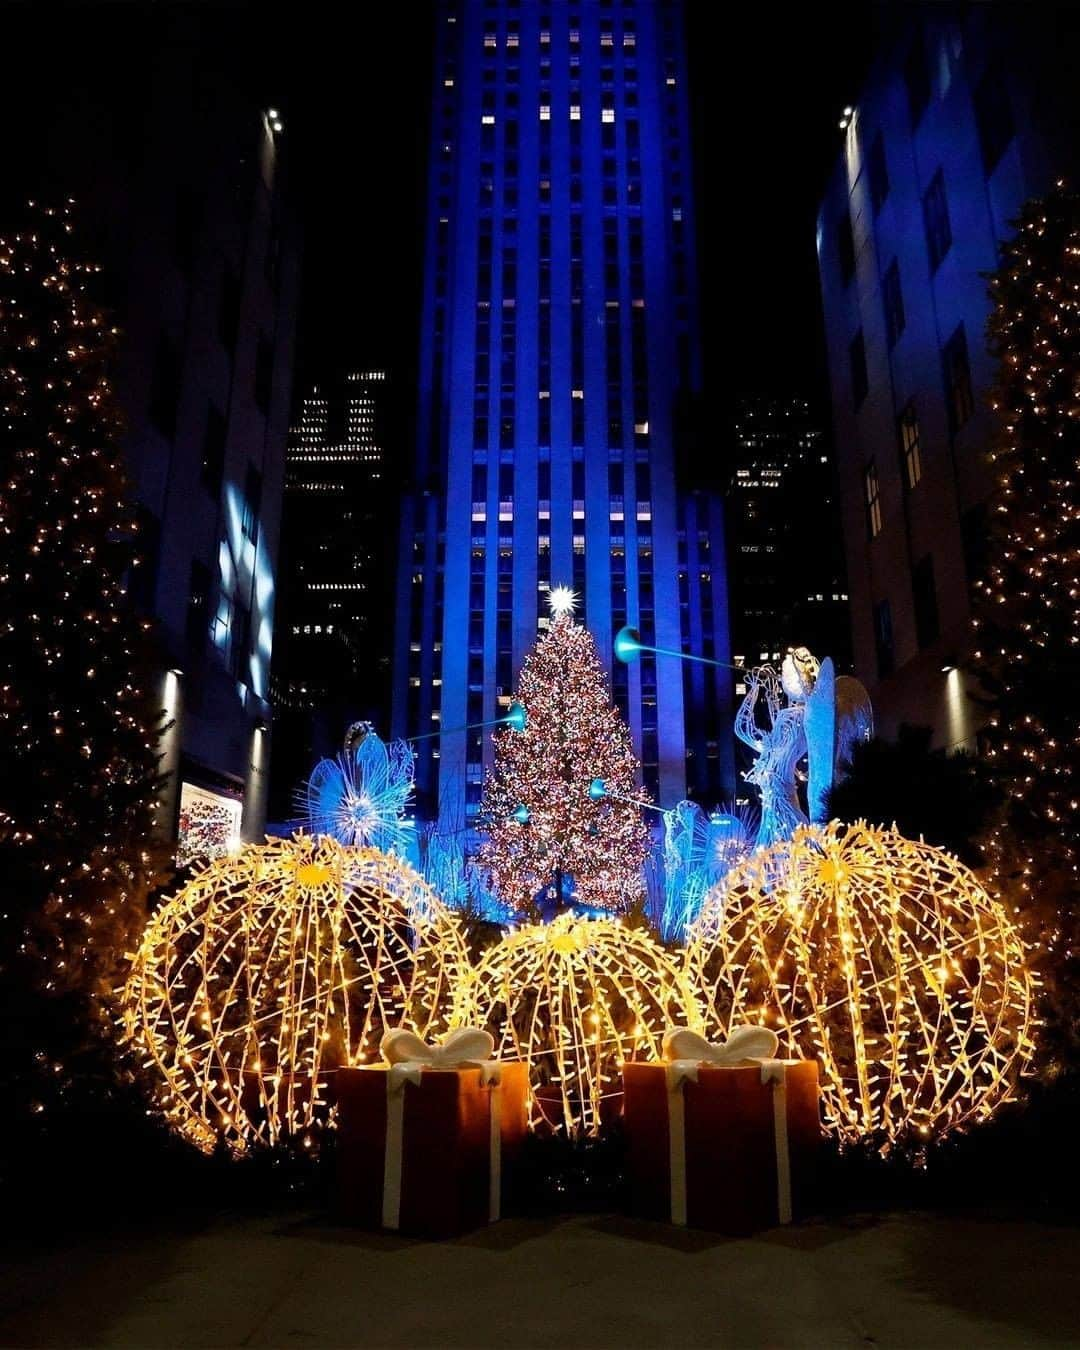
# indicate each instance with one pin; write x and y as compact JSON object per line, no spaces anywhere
{"x":359,"y":797}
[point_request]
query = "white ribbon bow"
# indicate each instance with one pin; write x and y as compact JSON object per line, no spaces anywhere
{"x":686,"y":1051}
{"x":409,"y":1056}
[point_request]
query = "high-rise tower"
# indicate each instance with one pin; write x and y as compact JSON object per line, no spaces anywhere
{"x":559,"y":342}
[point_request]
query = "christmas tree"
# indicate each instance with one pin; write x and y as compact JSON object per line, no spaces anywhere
{"x":574,"y":845}
{"x":77,"y":742}
{"x":1028,"y":608}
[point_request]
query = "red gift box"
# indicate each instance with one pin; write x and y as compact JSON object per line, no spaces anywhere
{"x":725,"y":1148}
{"x":430,"y":1158}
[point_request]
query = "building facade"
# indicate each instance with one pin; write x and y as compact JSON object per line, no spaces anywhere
{"x":559,"y":334}
{"x":785,"y":556}
{"x":967,"y":112}
{"x":332,"y":654}
{"x":186,"y":208}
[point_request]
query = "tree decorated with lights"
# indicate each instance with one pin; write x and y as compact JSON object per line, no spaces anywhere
{"x":552,"y":836}
{"x":1028,"y":610}
{"x":76,"y":741}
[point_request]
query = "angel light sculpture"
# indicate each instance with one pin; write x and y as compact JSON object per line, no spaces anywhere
{"x":812,"y":718}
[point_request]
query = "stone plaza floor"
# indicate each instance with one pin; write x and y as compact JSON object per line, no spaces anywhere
{"x":911,"y":1280}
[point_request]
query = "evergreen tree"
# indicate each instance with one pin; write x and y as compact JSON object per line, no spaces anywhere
{"x":572,"y":846}
{"x":1028,"y":609}
{"x":77,"y":742}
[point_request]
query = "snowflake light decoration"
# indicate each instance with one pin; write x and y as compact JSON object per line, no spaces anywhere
{"x":270,"y":970}
{"x":359,"y":798}
{"x":575,"y":998}
{"x":887,"y":962}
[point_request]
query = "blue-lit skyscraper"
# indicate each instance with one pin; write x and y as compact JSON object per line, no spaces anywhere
{"x":559,"y":339}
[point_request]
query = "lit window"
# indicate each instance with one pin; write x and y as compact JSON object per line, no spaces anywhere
{"x":575,"y":112}
{"x":873,"y":500}
{"x":608,"y":115}
{"x":545,"y":112}
{"x":488,"y":119}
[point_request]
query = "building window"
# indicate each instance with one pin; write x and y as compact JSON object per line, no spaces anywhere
{"x":974,"y":531}
{"x":252,"y":503}
{"x":213,"y":454}
{"x":873,"y":500}
{"x":917,"y":79}
{"x":845,"y":244}
{"x":165,"y":393}
{"x":883,"y":639}
{"x":198,"y":608}
{"x":910,"y":451}
{"x":264,"y":374}
{"x":936,"y":221}
{"x":894,"y":303}
{"x":958,"y":395}
{"x":859,"y":380}
{"x":878,"y":173}
{"x":993,"y":117}
{"x":924,"y":593}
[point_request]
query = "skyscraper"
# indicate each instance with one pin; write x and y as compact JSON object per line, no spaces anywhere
{"x":330,"y":662}
{"x":967,"y":112}
{"x":784,"y":547}
{"x":559,"y":337}
{"x":187,"y":206}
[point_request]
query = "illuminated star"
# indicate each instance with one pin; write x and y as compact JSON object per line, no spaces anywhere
{"x":561,"y":600}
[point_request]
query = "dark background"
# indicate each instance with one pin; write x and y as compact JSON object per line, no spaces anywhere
{"x":352,"y":81}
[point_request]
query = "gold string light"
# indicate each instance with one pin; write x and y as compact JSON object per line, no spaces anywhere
{"x":269,"y":971}
{"x":575,"y":998}
{"x":887,"y":962}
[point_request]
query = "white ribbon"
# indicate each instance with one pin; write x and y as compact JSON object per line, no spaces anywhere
{"x":408,"y":1057}
{"x":685,"y":1052}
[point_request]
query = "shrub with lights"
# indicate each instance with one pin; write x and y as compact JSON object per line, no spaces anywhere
{"x":887,"y":962}
{"x":270,"y":970}
{"x":575,"y":998}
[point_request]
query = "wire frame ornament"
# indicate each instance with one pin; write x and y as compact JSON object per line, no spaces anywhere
{"x":575,"y":998}
{"x":887,"y":962}
{"x":269,"y":971}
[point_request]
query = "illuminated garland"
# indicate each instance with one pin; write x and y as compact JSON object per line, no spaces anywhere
{"x":574,"y":999}
{"x":270,"y":970}
{"x":885,"y":961}
{"x":573,"y":735}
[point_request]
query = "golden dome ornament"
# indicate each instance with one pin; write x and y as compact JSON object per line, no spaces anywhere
{"x":883,"y":959}
{"x":270,"y":970}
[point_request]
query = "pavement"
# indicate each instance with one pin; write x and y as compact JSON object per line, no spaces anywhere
{"x":911,"y":1280}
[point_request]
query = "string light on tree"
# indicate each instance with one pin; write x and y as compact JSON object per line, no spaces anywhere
{"x":887,"y":962}
{"x":575,"y":998}
{"x":551,"y":840}
{"x":269,"y":970}
{"x":1027,"y":615}
{"x":77,"y":716}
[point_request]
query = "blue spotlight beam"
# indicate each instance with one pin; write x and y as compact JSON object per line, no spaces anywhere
{"x":515,"y":719}
{"x":599,"y":790}
{"x":629,"y":646}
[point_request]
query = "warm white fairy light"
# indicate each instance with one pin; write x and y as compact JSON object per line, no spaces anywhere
{"x":887,"y":962}
{"x":270,"y":970}
{"x":574,"y":999}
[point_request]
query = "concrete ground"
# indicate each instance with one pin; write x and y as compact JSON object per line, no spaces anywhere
{"x":901,"y":1281}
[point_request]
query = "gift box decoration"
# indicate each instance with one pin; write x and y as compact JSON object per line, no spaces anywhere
{"x":722,"y":1136}
{"x":427,"y":1141}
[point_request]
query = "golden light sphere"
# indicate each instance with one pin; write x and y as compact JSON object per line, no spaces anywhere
{"x":575,"y":998}
{"x":271,"y":969}
{"x":883,"y":959}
